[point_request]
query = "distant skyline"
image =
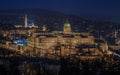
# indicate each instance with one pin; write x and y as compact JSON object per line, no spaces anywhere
{"x":93,"y":9}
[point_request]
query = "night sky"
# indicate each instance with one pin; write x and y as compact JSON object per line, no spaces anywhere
{"x":97,"y":9}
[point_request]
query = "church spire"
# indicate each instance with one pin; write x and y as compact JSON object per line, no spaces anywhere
{"x":26,"y":21}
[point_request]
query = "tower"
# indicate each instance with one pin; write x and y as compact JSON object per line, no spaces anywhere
{"x":44,"y":28}
{"x":26,"y":21}
{"x":115,"y":34}
{"x":67,"y":28}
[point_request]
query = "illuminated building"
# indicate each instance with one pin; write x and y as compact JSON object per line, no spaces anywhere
{"x":20,"y":42}
{"x":31,"y":25}
{"x":67,"y":28}
{"x":66,"y":39}
{"x":50,"y":44}
{"x":44,"y":28}
{"x":18,"y":26}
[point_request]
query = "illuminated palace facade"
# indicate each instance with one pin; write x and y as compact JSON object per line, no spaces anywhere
{"x":63,"y":43}
{"x":55,"y":44}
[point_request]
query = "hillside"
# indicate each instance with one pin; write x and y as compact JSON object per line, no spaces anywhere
{"x":53,"y":19}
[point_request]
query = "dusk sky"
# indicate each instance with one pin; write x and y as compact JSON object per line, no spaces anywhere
{"x":107,"y":9}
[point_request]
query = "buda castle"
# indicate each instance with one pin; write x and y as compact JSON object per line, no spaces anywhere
{"x":64,"y":42}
